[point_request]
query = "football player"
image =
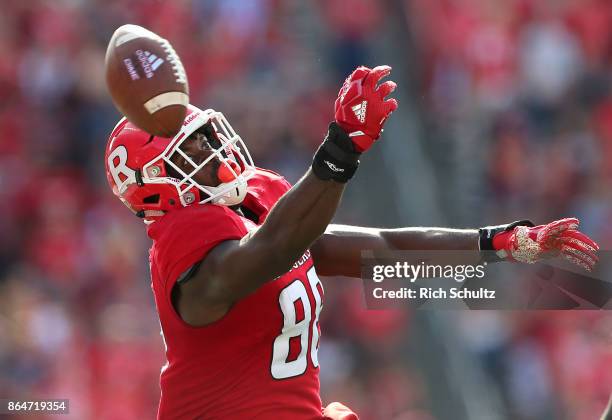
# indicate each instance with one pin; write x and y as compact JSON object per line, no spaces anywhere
{"x":237,"y":252}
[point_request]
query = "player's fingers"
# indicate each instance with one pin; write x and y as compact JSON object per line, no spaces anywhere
{"x":390,"y":106}
{"x":575,"y":257}
{"x":359,"y":73}
{"x":375,"y":75}
{"x":386,"y":88}
{"x":562,"y":225}
{"x":581,"y":237}
{"x":553,"y":229}
{"x":577,"y":262}
{"x":579,"y":249}
{"x":565,"y":224}
{"x":349,"y":91}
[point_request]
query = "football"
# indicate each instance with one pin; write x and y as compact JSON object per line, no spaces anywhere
{"x":147,"y":80}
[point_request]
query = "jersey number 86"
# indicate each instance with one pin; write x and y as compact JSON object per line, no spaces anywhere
{"x":296,"y":328}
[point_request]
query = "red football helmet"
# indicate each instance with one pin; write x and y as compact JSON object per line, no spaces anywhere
{"x":137,"y":166}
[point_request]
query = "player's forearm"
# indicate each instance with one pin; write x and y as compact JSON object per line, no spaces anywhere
{"x":303,"y":213}
{"x":338,"y":251}
{"x":298,"y":219}
{"x":426,"y":238}
{"x":436,"y":239}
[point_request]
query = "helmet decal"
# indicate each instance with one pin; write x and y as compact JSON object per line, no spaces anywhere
{"x":117,"y":166}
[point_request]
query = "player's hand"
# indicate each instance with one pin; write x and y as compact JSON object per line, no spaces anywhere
{"x":361,"y":109}
{"x":561,"y":237}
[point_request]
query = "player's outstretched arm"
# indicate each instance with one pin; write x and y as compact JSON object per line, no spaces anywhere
{"x":338,"y":251}
{"x":234,"y":269}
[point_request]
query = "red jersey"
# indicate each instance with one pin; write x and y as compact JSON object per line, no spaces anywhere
{"x":260,"y":360}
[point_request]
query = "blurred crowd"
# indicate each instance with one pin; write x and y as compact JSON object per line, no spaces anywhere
{"x":518,"y":91}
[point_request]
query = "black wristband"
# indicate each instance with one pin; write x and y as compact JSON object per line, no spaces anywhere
{"x":336,"y":158}
{"x":487,"y":233}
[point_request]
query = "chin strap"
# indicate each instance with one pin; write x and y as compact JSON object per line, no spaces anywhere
{"x":143,"y":214}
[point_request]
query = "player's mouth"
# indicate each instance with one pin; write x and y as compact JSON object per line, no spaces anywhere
{"x":209,"y":174}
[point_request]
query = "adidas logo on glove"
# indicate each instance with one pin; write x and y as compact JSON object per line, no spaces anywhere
{"x":360,"y":111}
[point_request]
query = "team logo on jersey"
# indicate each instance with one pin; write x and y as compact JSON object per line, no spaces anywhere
{"x":360,"y":111}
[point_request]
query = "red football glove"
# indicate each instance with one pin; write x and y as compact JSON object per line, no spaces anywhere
{"x":361,"y":109}
{"x":561,"y":237}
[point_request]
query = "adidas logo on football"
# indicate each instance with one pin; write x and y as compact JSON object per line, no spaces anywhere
{"x":149,"y":62}
{"x":154,"y":60}
{"x":360,"y":111}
